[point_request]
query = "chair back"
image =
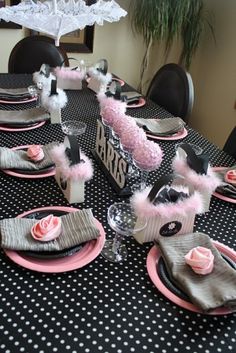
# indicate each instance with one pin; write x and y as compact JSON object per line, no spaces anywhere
{"x":31,"y":52}
{"x":172,"y":88}
{"x":230,"y":144}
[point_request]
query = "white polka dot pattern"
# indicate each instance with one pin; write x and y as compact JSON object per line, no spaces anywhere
{"x":103,"y":307}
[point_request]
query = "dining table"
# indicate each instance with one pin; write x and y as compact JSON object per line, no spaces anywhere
{"x":101,"y":306}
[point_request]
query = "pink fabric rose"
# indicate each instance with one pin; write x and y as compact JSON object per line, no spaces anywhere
{"x":48,"y":228}
{"x":200,"y":259}
{"x":230,"y":177}
{"x":35,"y":153}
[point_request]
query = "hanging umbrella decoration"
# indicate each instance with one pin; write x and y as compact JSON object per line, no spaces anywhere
{"x":56,"y":18}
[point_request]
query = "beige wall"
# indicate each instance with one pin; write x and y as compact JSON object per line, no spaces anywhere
{"x":213,"y":69}
{"x":214,"y":76}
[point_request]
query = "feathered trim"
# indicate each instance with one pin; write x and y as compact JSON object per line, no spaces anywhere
{"x":38,"y":78}
{"x":143,"y":207}
{"x":67,"y":73}
{"x":109,"y":105}
{"x":54,"y":102}
{"x":104,"y":79}
{"x":202,"y":182}
{"x":80,"y":172}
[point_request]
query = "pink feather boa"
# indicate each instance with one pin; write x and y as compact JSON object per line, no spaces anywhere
{"x":202,"y":182}
{"x":109,"y":105}
{"x":80,"y":171}
{"x":65,"y":73}
{"x":143,"y":207}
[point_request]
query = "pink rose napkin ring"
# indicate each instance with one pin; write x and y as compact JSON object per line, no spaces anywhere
{"x":35,"y":153}
{"x":48,"y":228}
{"x":200,"y":259}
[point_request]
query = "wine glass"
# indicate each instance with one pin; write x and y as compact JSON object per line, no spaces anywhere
{"x":123,"y":220}
{"x":73,"y":127}
{"x":144,"y":172}
{"x":33,"y":91}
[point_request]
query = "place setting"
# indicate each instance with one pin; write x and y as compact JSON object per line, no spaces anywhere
{"x":227,"y":190}
{"x":186,"y":266}
{"x":28,"y":161}
{"x":163,"y":129}
{"x":23,"y":120}
{"x":18,"y":95}
{"x":52,"y":239}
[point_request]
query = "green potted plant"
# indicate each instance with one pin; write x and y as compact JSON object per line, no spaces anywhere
{"x":167,"y":20}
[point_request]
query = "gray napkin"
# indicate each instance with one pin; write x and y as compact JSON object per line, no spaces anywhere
{"x":27,"y":116}
{"x":77,"y":227}
{"x":162,"y":127}
{"x":14,"y":92}
{"x":10,"y":159}
{"x":209,"y":291}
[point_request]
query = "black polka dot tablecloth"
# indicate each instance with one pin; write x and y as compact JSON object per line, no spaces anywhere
{"x":102,"y":307}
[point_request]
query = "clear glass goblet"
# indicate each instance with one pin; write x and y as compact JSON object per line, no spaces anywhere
{"x":123,"y":220}
{"x":33,"y":91}
{"x":73,"y":127}
{"x":144,"y":172}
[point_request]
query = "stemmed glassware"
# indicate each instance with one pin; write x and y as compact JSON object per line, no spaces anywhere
{"x":73,"y":127}
{"x":143,"y":172}
{"x":34,"y":92}
{"x":123,"y":220}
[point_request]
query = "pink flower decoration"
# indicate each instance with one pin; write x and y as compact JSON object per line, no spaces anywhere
{"x":48,"y":228}
{"x":230,"y":177}
{"x":35,"y":153}
{"x":132,"y":137}
{"x":200,"y":259}
{"x":149,"y":156}
{"x":122,"y":123}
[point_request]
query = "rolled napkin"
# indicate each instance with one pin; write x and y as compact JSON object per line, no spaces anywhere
{"x":14,"y":93}
{"x":200,"y":259}
{"x":47,"y":228}
{"x":209,"y":292}
{"x":161,"y":127}
{"x":18,"y":159}
{"x":76,"y":228}
{"x":27,"y":116}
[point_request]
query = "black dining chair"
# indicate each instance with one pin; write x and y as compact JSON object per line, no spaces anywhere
{"x":230,"y":144}
{"x":31,"y":52}
{"x":172,"y":88}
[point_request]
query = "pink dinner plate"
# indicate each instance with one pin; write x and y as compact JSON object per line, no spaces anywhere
{"x":86,"y":255}
{"x":141,"y":103}
{"x":17,"y":129}
{"x":218,"y":195}
{"x":153,"y":258}
{"x":121,"y":82}
{"x":28,"y":100}
{"x":28,"y":176}
{"x":178,"y":136}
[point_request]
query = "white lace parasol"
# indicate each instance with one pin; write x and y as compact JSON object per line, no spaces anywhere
{"x":58,"y":17}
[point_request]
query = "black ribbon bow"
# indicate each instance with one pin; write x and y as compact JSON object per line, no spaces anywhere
{"x":168,"y":194}
{"x":46,"y":71}
{"x":73,"y":153}
{"x":102,"y":66}
{"x":115,"y":91}
{"x":199,"y":163}
{"x":53,"y":88}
